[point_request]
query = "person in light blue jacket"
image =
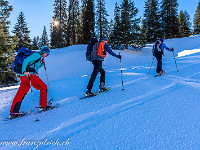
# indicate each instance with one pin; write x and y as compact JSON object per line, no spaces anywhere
{"x":30,"y":75}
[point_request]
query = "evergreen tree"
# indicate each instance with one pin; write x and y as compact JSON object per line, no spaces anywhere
{"x":101,"y":19}
{"x":197,"y":20}
{"x":169,"y":14}
{"x":36,"y":43}
{"x":184,"y":24}
{"x":7,"y":44}
{"x":79,"y":33}
{"x":44,"y":38}
{"x":73,"y":23}
{"x":151,"y":24}
{"x":22,"y":32}
{"x":115,"y":34}
{"x":110,"y":28}
{"x":130,"y":29}
{"x":58,"y":25}
{"x":88,"y":20}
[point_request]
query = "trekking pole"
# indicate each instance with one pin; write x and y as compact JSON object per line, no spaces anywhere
{"x":48,"y":84}
{"x":151,"y":64}
{"x":175,"y":61}
{"x":121,"y":74}
{"x":33,"y":99}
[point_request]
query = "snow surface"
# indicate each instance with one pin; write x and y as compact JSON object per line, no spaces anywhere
{"x":151,"y":113}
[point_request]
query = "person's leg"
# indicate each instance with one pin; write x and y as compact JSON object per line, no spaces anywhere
{"x":159,"y":63}
{"x":40,"y":85}
{"x":22,"y":91}
{"x":93,"y":76}
{"x":102,"y":77}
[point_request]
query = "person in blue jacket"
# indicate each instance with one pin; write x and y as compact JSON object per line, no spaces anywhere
{"x":30,"y":74}
{"x":158,"y":49}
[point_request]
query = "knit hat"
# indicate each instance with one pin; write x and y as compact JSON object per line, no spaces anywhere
{"x":104,"y":38}
{"x":161,"y":40}
{"x":45,"y":49}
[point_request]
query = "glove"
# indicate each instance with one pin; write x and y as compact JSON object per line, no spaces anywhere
{"x":104,"y":52}
{"x":119,"y":56}
{"x":172,"y":49}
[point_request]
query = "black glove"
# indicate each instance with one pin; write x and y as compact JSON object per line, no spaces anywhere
{"x":104,"y":52}
{"x":172,"y":49}
{"x":119,"y":56}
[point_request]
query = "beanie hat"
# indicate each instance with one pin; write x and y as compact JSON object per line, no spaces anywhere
{"x":45,"y":49}
{"x":161,"y":40}
{"x":104,"y":38}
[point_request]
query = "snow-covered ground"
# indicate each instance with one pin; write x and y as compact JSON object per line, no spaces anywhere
{"x":151,"y":113}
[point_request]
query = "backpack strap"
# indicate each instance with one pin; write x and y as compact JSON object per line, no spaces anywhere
{"x":36,"y":61}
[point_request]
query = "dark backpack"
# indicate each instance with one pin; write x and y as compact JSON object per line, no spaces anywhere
{"x":22,"y":54}
{"x":91,"y":51}
{"x":157,"y":47}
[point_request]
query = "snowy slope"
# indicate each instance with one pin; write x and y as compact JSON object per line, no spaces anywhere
{"x":151,"y":113}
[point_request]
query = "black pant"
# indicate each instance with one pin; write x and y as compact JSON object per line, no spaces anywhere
{"x":97,"y":68}
{"x":159,"y":63}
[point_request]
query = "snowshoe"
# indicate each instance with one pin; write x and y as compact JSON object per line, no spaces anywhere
{"x":45,"y":108}
{"x":15,"y":115}
{"x":49,"y":107}
{"x":89,"y":94}
{"x":103,"y":89}
{"x":160,"y":73}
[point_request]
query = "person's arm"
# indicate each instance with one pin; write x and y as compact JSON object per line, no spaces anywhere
{"x":165,"y":46}
{"x":107,"y":48}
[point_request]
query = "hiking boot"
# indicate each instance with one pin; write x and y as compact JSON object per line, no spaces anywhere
{"x":89,"y":94}
{"x":14,"y":115}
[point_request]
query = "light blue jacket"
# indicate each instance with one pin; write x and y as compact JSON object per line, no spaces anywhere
{"x":31,"y":59}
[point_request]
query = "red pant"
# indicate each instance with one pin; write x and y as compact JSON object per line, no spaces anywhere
{"x":24,"y":88}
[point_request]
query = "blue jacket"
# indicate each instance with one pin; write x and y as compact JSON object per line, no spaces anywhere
{"x":164,"y":46}
{"x":107,"y":48}
{"x":31,"y":59}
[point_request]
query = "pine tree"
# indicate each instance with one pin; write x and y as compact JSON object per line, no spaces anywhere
{"x":169,"y":14}
{"x":79,"y":33}
{"x":36,"y":43}
{"x":73,"y":22}
{"x":110,"y":28}
{"x":184,"y":24}
{"x":151,"y":24}
{"x":88,"y":20}
{"x":130,"y":29}
{"x":7,"y":44}
{"x":44,"y":38}
{"x":22,"y":32}
{"x":101,"y":19}
{"x":115,"y":35}
{"x":197,"y":21}
{"x":59,"y":24}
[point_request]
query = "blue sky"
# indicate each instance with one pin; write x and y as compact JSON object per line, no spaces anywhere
{"x":38,"y":13}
